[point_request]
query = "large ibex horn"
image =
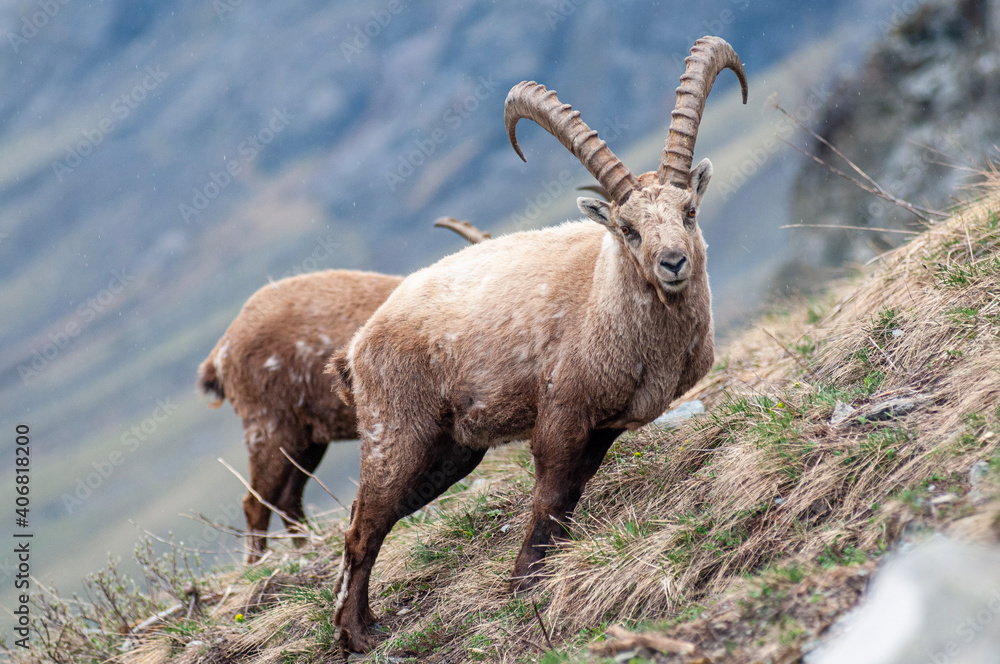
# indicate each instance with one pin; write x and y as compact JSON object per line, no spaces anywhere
{"x":709,"y":56}
{"x":531,"y":100}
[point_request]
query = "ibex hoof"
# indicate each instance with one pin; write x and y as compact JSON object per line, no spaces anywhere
{"x":522,"y":584}
{"x":356,"y":641}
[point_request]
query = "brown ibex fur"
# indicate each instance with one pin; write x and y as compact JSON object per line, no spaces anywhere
{"x":567,"y":336}
{"x":269,"y":365}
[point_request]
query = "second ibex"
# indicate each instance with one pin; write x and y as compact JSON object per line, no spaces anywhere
{"x":568,"y":336}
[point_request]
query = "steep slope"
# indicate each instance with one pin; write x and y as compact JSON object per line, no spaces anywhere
{"x":160,"y":162}
{"x":836,"y":430}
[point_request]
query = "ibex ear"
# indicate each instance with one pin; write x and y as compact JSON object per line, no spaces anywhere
{"x":700,"y":175}
{"x":597,"y":210}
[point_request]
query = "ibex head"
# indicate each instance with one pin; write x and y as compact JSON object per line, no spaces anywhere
{"x":653,"y":217}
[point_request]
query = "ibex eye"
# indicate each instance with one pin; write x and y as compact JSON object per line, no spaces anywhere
{"x":692,"y":212}
{"x":626,"y":230}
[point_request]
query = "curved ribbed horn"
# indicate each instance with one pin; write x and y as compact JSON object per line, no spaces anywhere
{"x":597,"y":189}
{"x":531,"y":100}
{"x":709,"y":56}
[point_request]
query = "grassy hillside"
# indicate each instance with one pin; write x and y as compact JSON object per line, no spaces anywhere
{"x":737,"y":537}
{"x":112,"y":376}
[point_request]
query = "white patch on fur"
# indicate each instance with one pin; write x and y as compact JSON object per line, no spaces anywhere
{"x":344,"y":573}
{"x":609,"y":244}
{"x":643,"y":299}
{"x":543,"y":289}
{"x":273,"y":362}
{"x":302,"y":400}
{"x":219,"y":357}
{"x":692,"y":345}
{"x":327,"y":341}
{"x":340,"y":567}
{"x":559,"y":314}
{"x":254,"y":438}
{"x":375,"y":433}
{"x":302,"y":349}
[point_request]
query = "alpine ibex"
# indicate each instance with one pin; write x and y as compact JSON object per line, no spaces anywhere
{"x":269,"y":364}
{"x":567,"y":336}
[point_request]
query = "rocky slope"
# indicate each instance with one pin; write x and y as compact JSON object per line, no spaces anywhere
{"x":836,"y":432}
{"x":918,"y":113}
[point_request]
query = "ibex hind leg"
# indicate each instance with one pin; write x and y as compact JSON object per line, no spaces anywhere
{"x":562,"y":469}
{"x":429,"y":470}
{"x":268,"y":477}
{"x":290,"y":500}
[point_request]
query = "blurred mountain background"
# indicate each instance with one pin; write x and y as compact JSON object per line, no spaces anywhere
{"x":916,"y":116}
{"x":159,"y":162}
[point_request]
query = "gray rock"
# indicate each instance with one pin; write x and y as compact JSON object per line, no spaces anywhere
{"x":683,"y":412}
{"x":978,"y":473}
{"x":939,"y":603}
{"x":841,"y":413}
{"x":977,"y":479}
{"x":892,"y":408}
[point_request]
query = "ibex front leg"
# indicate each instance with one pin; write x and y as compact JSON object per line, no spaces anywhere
{"x":563,"y":465}
{"x":422,"y":471}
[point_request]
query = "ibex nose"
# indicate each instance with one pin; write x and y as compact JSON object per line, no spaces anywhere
{"x":673,"y":261}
